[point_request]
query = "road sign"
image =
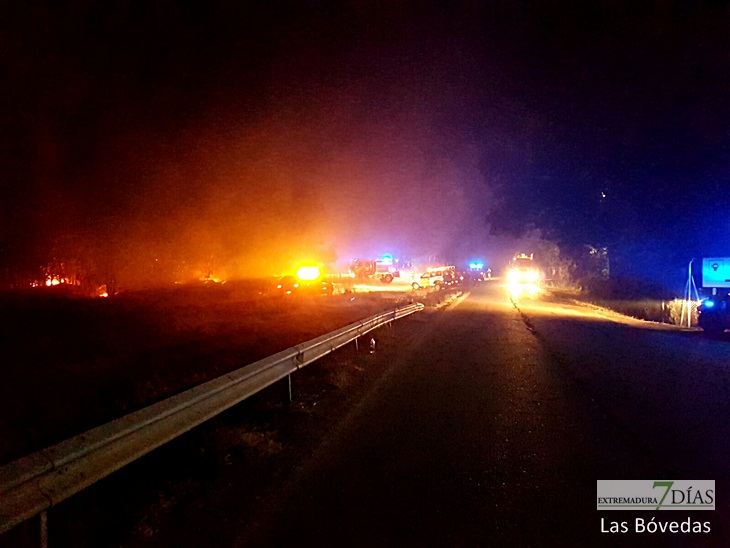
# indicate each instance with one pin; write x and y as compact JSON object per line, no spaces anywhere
{"x":716,"y":272}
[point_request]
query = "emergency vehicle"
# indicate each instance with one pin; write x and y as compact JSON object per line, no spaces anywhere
{"x":436,"y":277}
{"x":364,"y":269}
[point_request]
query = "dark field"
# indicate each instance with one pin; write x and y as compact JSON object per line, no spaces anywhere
{"x":145,"y":346}
{"x":70,"y":364}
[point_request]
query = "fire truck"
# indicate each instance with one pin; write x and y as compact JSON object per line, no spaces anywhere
{"x":523,"y":270}
{"x":385,"y":271}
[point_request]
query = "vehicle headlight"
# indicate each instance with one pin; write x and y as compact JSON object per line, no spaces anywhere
{"x":308,"y":273}
{"x":513,"y":276}
{"x":531,"y":276}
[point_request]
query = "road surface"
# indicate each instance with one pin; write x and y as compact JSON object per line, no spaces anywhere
{"x":495,"y":419}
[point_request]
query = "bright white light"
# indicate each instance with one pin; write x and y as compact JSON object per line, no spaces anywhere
{"x":308,"y":273}
{"x":517,"y":290}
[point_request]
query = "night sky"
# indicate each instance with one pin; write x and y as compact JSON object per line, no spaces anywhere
{"x":149,"y":139}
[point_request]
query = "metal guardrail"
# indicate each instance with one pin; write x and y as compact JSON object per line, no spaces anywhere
{"x":32,"y":484}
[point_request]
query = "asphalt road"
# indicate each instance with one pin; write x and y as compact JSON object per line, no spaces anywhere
{"x":494,"y":421}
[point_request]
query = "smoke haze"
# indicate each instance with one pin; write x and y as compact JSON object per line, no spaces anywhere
{"x":336,"y":145}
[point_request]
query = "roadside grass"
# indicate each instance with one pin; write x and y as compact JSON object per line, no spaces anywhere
{"x":644,"y":309}
{"x":629,"y":301}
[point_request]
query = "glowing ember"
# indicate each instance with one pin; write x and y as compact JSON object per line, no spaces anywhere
{"x":212,"y":279}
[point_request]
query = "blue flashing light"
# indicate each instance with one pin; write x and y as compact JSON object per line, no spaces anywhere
{"x":708,"y":303}
{"x":387,"y":258}
{"x":476,"y":265}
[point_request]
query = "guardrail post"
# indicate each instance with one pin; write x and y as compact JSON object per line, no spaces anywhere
{"x":44,"y":529}
{"x":289,"y":382}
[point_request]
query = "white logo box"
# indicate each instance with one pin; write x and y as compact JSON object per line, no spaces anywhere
{"x":655,"y":495}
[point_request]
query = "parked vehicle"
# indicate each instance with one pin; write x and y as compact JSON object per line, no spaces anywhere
{"x":294,"y":285}
{"x":384,"y":271}
{"x":436,"y":277}
{"x":714,"y":314}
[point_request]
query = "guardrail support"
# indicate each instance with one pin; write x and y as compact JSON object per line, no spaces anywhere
{"x":44,"y":529}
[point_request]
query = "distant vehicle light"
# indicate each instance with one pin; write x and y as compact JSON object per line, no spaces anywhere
{"x":308,"y":273}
